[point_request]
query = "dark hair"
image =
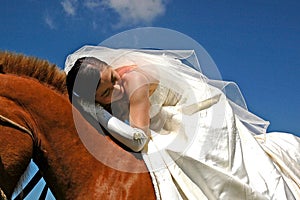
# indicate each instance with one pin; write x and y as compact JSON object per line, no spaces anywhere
{"x":84,"y":78}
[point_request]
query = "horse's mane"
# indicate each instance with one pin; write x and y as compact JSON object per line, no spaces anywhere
{"x":42,"y":70}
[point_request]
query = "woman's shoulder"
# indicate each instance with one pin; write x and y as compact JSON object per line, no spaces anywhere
{"x":135,"y":77}
{"x":125,"y":69}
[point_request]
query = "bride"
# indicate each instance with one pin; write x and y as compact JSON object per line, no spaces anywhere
{"x":196,"y":135}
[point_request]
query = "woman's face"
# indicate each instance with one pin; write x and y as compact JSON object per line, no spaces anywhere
{"x":110,"y":88}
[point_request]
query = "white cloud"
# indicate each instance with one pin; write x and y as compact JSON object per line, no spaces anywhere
{"x":92,"y":4}
{"x":49,"y":21}
{"x":69,"y":6}
{"x":129,"y":12}
{"x":133,"y":12}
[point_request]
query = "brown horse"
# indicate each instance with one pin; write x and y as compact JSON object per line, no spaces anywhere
{"x":33,"y":95}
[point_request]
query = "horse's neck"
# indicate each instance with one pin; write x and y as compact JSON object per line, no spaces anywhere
{"x":67,"y":166}
{"x":59,"y":151}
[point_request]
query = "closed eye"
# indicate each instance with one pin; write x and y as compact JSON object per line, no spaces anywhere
{"x":106,"y":93}
{"x":113,"y":79}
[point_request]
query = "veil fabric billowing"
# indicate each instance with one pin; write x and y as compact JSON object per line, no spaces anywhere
{"x":178,"y":70}
{"x":215,"y":142}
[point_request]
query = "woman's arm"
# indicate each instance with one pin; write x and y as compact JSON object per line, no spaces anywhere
{"x":137,"y":88}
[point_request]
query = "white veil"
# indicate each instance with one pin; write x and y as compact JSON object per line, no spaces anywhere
{"x":175,"y":69}
{"x":174,"y":169}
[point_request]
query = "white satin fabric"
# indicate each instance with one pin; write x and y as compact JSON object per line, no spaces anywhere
{"x":212,"y":154}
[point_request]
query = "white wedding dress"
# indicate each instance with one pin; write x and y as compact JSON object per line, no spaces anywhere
{"x":205,"y":144}
{"x":212,"y":154}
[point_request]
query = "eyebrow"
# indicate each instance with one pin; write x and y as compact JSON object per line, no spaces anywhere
{"x":112,"y":77}
{"x":106,"y":92}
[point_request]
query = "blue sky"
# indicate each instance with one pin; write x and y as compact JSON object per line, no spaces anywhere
{"x":254,"y":43}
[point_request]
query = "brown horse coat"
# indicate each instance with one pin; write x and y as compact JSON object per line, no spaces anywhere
{"x":68,"y":168}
